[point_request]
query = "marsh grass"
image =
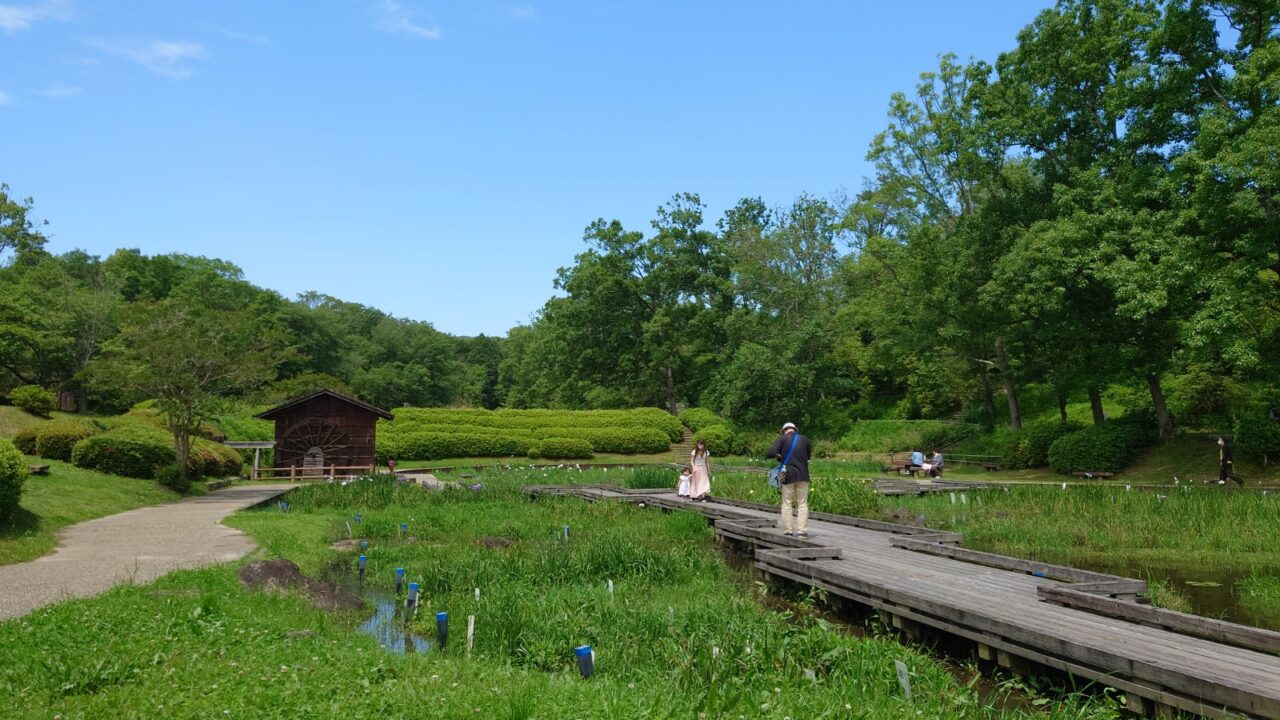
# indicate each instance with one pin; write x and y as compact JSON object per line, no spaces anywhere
{"x":195,"y":644}
{"x":1260,"y":594}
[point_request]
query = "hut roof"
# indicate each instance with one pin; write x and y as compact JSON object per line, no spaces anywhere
{"x":270,"y":414}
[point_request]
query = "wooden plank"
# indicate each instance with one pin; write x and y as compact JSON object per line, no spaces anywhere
{"x":1004,"y":562}
{"x":1219,"y":690}
{"x":1202,"y":627}
{"x":813,"y":553}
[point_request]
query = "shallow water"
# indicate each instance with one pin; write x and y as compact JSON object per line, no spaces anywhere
{"x":1212,"y":591}
{"x":389,"y":624}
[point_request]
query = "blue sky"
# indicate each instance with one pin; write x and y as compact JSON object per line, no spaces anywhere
{"x":439,"y":160}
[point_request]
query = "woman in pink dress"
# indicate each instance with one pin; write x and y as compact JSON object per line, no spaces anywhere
{"x":701,"y":462}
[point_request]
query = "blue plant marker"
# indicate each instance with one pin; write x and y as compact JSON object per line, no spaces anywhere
{"x":399,"y":580}
{"x":363,"y":560}
{"x":357,"y":518}
{"x":404,"y":526}
{"x":412,"y":601}
{"x":586,"y":661}
{"x":364,"y":544}
{"x":284,"y":506}
{"x":442,"y":629}
{"x":1037,"y":573}
{"x":565,"y":532}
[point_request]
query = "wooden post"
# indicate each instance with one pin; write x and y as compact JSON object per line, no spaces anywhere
{"x":293,"y":473}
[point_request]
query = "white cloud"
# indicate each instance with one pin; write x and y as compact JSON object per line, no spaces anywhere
{"x":163,"y":57}
{"x":396,"y":19}
{"x":522,"y":12}
{"x":4,"y":99}
{"x":16,"y":18}
{"x":61,"y":90}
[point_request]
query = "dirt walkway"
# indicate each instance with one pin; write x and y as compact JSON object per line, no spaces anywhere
{"x":139,"y":546}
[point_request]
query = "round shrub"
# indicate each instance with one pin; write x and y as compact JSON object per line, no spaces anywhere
{"x":564,"y":449}
{"x":13,"y":473}
{"x":34,"y":399}
{"x":121,"y":455}
{"x":1030,"y":448}
{"x":211,"y":459}
{"x":26,"y":438}
{"x":56,"y":439}
{"x":697,"y":418}
{"x":719,"y":439}
{"x":1109,"y":447}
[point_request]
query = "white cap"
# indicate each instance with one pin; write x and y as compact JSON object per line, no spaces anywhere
{"x":790,"y":426}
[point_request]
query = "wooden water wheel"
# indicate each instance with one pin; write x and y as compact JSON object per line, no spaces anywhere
{"x":317,"y":443}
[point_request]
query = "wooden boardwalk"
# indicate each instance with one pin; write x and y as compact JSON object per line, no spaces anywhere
{"x":1015,"y":611}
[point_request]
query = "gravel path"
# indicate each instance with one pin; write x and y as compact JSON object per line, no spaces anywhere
{"x":139,"y":546}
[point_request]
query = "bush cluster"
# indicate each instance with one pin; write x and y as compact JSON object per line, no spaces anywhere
{"x":122,"y":455}
{"x":1109,"y":447}
{"x":34,"y":399}
{"x":434,"y":446}
{"x":617,"y":440}
{"x":564,"y":449}
{"x":53,"y":439}
{"x":13,"y":473}
{"x":697,"y":418}
{"x":1256,"y":434}
{"x":1030,"y":448}
{"x":719,"y":434}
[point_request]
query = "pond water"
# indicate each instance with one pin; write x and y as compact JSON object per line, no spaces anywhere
{"x":389,"y":624}
{"x":1211,"y":590}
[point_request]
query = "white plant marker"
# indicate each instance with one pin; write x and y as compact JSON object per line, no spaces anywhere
{"x":964,"y":499}
{"x":1064,"y":486}
{"x":904,"y":678}
{"x":471,"y":632}
{"x":609,"y":585}
{"x":715,"y":652}
{"x":1127,"y":488}
{"x":671,"y":613}
{"x":349,"y":533}
{"x":477,"y":594}
{"x":953,"y":498}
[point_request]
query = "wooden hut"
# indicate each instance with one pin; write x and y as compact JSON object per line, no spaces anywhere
{"x":324,"y":433}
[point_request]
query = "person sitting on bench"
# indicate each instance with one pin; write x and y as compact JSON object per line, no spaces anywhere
{"x":934,"y":466}
{"x":916,"y":462}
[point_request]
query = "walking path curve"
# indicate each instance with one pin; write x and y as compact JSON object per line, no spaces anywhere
{"x":139,"y":546}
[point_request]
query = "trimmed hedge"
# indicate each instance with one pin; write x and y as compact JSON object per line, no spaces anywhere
{"x":434,"y":446}
{"x":617,"y":440}
{"x":535,"y":420}
{"x":13,"y":473}
{"x":564,"y":449}
{"x":1030,"y":448}
{"x":56,"y":439}
{"x":34,"y":399}
{"x":122,"y":455}
{"x":1109,"y":447}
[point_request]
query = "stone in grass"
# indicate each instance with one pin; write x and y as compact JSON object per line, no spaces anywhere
{"x":346,"y":545}
{"x":493,"y":542}
{"x":281,"y":576}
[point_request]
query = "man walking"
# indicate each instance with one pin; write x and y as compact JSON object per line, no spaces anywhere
{"x":793,"y":450}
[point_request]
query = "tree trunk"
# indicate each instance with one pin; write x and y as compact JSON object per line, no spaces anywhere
{"x":1162,"y":411}
{"x":1010,"y":392}
{"x":671,"y":391}
{"x":1095,"y":404}
{"x":1062,"y":406}
{"x":988,"y":397}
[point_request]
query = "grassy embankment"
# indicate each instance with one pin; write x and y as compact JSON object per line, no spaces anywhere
{"x":680,"y":637}
{"x":67,"y":495}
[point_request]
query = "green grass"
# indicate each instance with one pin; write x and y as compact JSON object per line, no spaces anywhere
{"x":893,"y":435}
{"x":13,"y":419}
{"x":1260,"y":594}
{"x":65,"y":496}
{"x":196,"y":645}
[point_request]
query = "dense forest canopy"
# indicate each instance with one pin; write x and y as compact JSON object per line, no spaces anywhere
{"x":1100,"y":207}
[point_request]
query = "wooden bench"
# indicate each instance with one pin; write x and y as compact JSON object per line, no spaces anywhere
{"x":1091,"y":475}
{"x":992,"y":466}
{"x":38,"y":469}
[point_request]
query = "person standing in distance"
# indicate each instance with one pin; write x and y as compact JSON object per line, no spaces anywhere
{"x":795,"y":486}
